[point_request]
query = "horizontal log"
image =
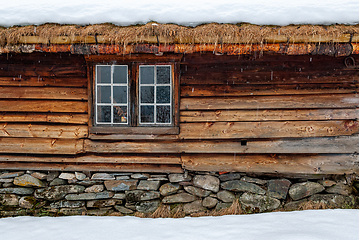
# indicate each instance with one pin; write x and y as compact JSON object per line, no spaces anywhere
{"x":42,"y":131}
{"x":103,"y":167}
{"x":44,"y":117}
{"x":43,"y":106}
{"x":37,"y":58}
{"x":25,"y":81}
{"x":280,"y":164}
{"x":345,"y":144}
{"x":286,"y":129}
{"x":272,"y":102}
{"x":41,"y":146}
{"x":119,"y":159}
{"x":257,"y":90}
{"x":58,"y":93}
{"x":268,"y":115}
{"x":45,"y":70}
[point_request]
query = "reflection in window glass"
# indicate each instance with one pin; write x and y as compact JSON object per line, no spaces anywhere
{"x":147,"y":114}
{"x":103,"y":74}
{"x":119,"y":114}
{"x":104,"y":114}
{"x":119,"y":94}
{"x":147,"y":74}
{"x":104,"y":94}
{"x":147,"y":94}
{"x":120,"y":74}
{"x":163,"y":74}
{"x":163,"y":94}
{"x":163,"y":114}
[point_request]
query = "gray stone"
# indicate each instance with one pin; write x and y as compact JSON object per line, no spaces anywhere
{"x":278,"y":188}
{"x":72,"y":211}
{"x":67,"y":204}
{"x":58,"y":192}
{"x":241,"y":186}
{"x":226,"y":196}
{"x":121,"y":185}
{"x":140,"y":176}
{"x":80,"y":176}
{"x":120,"y":196}
{"x":100,"y":212}
{"x":6,"y":180}
{"x":148,"y":206}
{"x":258,"y":203}
{"x":169,"y":188}
{"x":193,"y":207}
{"x":57,"y":182}
{"x":131,"y":205}
{"x":197,"y":191}
{"x":335,"y":201}
{"x":9,"y":200}
{"x":95,"y":189}
{"x":102,"y":176}
{"x":222,"y":205}
{"x":185,"y":183}
{"x":327,"y":183}
{"x":103,"y":203}
{"x":340,"y":189}
{"x":27,"y":202}
{"x":52,"y":175}
{"x":209,"y":202}
{"x":295,"y":205}
{"x":141,"y":195}
{"x":72,"y":181}
{"x":38,"y":175}
{"x":122,"y":177}
{"x":19,"y":191}
{"x":157,"y":179}
{"x":89,"y":182}
{"x":123,"y":210}
{"x":7,"y":184}
{"x":301,"y":190}
{"x":121,"y":174}
{"x":207,"y":182}
{"x":177,"y":177}
{"x":28,"y":181}
{"x":89,"y":196}
{"x":179,"y":198}
{"x":229,"y":177}
{"x":67,"y":176}
{"x":149,"y":185}
{"x":11,"y":174}
{"x":254,"y":180}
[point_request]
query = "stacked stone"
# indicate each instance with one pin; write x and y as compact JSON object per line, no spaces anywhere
{"x":77,"y":193}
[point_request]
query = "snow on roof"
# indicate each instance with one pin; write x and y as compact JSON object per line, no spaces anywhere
{"x":185,"y":12}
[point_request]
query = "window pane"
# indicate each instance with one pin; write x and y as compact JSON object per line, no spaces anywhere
{"x":163,"y":114}
{"x":119,"y":94}
{"x":163,"y":74}
{"x":104,"y":114}
{"x":103,"y":94}
{"x":147,"y":94}
{"x":120,"y":114}
{"x":120,"y":74}
{"x":103,"y":74}
{"x":163,"y":94}
{"x":147,"y":114}
{"x":147,"y":74}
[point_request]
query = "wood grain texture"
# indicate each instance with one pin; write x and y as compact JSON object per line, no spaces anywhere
{"x":58,"y":93}
{"x":40,"y":81}
{"x":71,"y":118}
{"x":43,"y":106}
{"x":44,"y":70}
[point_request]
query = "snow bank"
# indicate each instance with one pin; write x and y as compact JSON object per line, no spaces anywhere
{"x":185,"y":12}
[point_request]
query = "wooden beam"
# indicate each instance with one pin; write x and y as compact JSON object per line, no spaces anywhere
{"x":43,"y":131}
{"x":44,"y":117}
{"x":268,"y":115}
{"x":43,"y":106}
{"x":58,"y":70}
{"x":41,"y":146}
{"x":280,"y":164}
{"x":58,"y":93}
{"x":27,"y":81}
{"x":272,"y":102}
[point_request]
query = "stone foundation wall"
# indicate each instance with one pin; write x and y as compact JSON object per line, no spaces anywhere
{"x":83,"y":193}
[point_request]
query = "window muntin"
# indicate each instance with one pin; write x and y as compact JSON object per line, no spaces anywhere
{"x":155,"y":95}
{"x":112,"y":94}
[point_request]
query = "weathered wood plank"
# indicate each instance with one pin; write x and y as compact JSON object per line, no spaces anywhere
{"x":132,"y":137}
{"x":23,"y":81}
{"x":258,"y":90}
{"x":43,"y":106}
{"x":58,"y":93}
{"x":43,"y":131}
{"x":281,"y":164}
{"x":272,"y":102}
{"x":57,"y":70}
{"x":41,"y":146}
{"x":103,"y":167}
{"x":268,"y":115}
{"x":37,"y":58}
{"x":44,"y":117}
{"x":345,"y":144}
{"x":287,"y":129}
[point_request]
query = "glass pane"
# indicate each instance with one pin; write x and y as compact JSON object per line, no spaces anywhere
{"x":147,"y":114}
{"x":147,"y":74}
{"x":147,"y":94}
{"x":119,"y":94}
{"x":103,"y":74}
{"x":103,"y":94}
{"x":120,"y":114}
{"x":104,"y":114}
{"x":163,"y":74}
{"x":120,"y":74}
{"x":163,"y":114}
{"x":163,"y":94}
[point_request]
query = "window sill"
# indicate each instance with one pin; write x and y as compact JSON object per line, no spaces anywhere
{"x":134,"y":130}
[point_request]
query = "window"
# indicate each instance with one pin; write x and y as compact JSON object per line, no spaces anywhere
{"x":134,"y":97}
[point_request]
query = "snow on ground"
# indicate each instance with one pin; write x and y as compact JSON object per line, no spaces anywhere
{"x":185,"y":12}
{"x":300,"y":225}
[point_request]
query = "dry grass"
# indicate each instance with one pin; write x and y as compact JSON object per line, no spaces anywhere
{"x":162,"y":212}
{"x":310,"y":205}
